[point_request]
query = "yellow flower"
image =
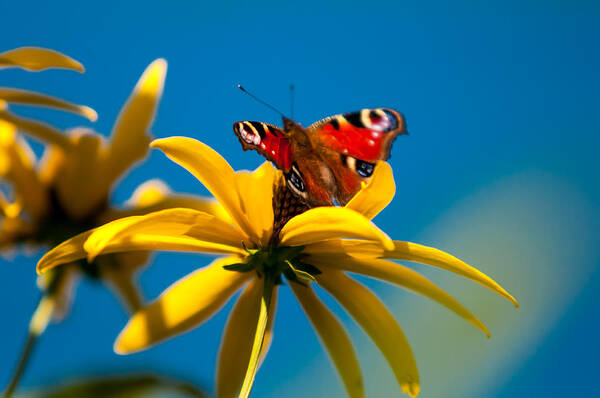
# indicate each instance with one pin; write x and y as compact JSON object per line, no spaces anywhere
{"x":319,"y":245}
{"x":67,"y":190}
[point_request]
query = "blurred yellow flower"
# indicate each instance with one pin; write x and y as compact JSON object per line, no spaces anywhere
{"x":67,"y":190}
{"x":266,"y":238}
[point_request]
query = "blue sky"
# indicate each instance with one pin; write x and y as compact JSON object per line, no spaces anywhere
{"x":500,"y":168}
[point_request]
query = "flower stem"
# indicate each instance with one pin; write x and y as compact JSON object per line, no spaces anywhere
{"x":20,"y":368}
{"x":37,"y":325}
{"x":258,"y":337}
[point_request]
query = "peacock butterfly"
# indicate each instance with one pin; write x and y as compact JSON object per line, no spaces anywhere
{"x":326,"y":163}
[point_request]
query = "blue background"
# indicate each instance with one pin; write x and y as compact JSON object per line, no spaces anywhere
{"x":500,"y":168}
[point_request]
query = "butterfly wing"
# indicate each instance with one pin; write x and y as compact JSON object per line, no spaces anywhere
{"x":352,"y":143}
{"x":268,"y":140}
{"x":326,"y":163}
{"x":367,"y":134}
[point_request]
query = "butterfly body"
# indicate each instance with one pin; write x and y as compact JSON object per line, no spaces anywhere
{"x":327,"y":162}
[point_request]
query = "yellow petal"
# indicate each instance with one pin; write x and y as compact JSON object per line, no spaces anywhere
{"x":324,"y":223}
{"x":13,"y":231}
{"x":39,"y":130}
{"x":257,"y":353}
{"x":131,"y":133}
{"x":149,"y":193}
{"x":25,"y":97}
{"x":428,"y":255}
{"x":5,"y":206}
{"x":412,"y":252}
{"x":79,"y":185}
{"x":400,"y":275}
{"x":376,"y":194}
{"x":72,"y":249}
{"x":343,"y":247}
{"x":236,"y":344}
{"x":268,"y":339}
{"x":19,"y":168}
{"x":213,"y":172}
{"x":170,"y":222}
{"x":67,"y":252}
{"x":154,"y":195}
{"x":334,"y":338}
{"x":379,"y":324}
{"x":52,"y":162}
{"x":256,"y":197}
{"x":37,"y":59}
{"x":42,"y":315}
{"x":184,"y":305}
{"x":10,"y":139}
{"x":141,"y":241}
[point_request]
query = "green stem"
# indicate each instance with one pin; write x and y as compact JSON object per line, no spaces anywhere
{"x":20,"y":368}
{"x":38,"y":324}
{"x":258,"y":337}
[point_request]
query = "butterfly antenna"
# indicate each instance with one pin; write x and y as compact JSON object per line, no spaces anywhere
{"x":259,"y":100}
{"x":292,"y":100}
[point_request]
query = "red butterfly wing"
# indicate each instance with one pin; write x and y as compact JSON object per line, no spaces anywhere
{"x":352,"y":143}
{"x":366,"y":135}
{"x":266,"y":139}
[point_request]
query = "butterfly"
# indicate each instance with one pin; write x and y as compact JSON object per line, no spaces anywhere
{"x":327,"y":162}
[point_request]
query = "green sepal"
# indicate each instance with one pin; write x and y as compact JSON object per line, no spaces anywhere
{"x":306,"y":267}
{"x":239,"y":267}
{"x":300,"y":274}
{"x":290,"y":276}
{"x":249,"y":251}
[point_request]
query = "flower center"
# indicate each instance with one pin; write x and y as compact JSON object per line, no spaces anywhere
{"x":285,"y":206}
{"x":273,"y":261}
